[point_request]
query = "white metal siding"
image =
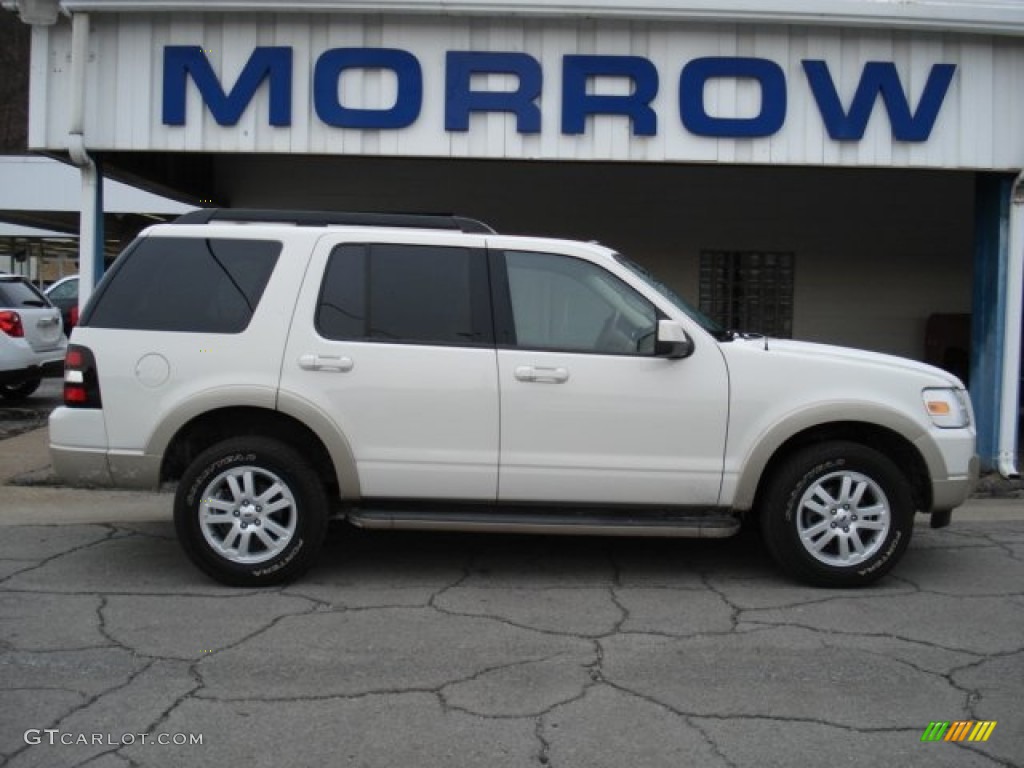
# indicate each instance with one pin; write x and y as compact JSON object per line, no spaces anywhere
{"x":980,"y":125}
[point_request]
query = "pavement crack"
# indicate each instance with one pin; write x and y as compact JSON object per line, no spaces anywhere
{"x":111,"y":531}
{"x":544,"y":754}
{"x":509,"y":622}
{"x":735,"y":610}
{"x":847,"y":633}
{"x":710,"y":741}
{"x":89,"y":701}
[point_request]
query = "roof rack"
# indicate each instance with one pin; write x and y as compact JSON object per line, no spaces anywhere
{"x":323,"y":218}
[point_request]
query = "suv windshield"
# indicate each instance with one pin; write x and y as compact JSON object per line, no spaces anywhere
{"x":678,"y":301}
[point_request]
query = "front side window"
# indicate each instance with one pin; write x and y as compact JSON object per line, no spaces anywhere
{"x":404,"y":293}
{"x":185,"y":284}
{"x":568,"y":304}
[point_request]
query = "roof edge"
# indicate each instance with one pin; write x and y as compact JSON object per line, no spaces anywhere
{"x":993,"y":17}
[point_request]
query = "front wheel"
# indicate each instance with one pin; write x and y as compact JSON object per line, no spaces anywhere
{"x":837,"y":514}
{"x":250,"y":512}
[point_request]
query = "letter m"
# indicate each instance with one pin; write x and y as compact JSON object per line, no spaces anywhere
{"x":935,"y":731}
{"x":879,"y":77}
{"x":182,"y":61}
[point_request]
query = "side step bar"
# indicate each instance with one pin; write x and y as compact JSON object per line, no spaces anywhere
{"x":704,"y":525}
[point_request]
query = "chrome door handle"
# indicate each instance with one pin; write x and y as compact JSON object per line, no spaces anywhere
{"x":542,"y":375}
{"x":335,"y":363}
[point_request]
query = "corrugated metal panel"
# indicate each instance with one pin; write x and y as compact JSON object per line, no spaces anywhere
{"x":979,"y":126}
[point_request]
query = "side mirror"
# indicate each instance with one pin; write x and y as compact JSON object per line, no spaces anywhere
{"x":672,"y":341}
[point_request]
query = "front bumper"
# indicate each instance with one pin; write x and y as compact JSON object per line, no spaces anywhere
{"x":951,"y":492}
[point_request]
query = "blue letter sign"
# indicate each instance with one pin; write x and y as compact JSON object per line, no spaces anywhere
{"x":769,"y":76}
{"x":335,"y":61}
{"x":461,"y":99}
{"x":523,"y":98}
{"x":577,"y":103}
{"x":878,"y":77}
{"x":274,"y":63}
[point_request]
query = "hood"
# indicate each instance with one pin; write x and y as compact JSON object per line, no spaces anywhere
{"x":806,"y":350}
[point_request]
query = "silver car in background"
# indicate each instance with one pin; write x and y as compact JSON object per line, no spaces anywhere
{"x":32,"y":340}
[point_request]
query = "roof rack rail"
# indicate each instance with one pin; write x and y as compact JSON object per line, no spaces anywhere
{"x":323,"y":218}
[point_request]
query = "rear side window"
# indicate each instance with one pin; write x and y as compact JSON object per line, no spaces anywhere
{"x":405,"y":293}
{"x":186,"y":284}
{"x":18,"y":293}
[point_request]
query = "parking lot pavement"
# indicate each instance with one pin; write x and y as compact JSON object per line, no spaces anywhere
{"x":457,"y":650}
{"x":460,"y":650}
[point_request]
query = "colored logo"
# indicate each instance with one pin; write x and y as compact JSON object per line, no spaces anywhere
{"x":959,"y":730}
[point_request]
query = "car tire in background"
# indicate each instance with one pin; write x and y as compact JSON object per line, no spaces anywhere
{"x":20,"y":390}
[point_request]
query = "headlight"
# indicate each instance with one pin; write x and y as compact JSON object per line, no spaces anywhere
{"x":946,"y":407}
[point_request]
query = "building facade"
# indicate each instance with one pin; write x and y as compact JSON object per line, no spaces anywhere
{"x":835,"y":170}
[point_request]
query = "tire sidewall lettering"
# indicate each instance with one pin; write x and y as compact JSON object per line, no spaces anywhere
{"x":213,"y":469}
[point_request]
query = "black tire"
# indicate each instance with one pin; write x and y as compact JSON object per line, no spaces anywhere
{"x":271,"y":546}
{"x":873,"y":514}
{"x":21,"y":390}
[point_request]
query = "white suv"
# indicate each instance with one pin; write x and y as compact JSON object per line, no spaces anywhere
{"x":425,"y":372}
{"x":32,"y":340}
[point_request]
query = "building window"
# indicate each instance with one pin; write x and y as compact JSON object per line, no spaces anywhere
{"x":748,"y":290}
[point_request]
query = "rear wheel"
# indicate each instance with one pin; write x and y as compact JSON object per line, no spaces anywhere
{"x":837,"y":514}
{"x":20,"y":390}
{"x":250,"y":512}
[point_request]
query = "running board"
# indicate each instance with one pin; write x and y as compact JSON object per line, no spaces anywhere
{"x":710,"y":525}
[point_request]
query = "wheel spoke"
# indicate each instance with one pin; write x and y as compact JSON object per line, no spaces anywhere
{"x":243,"y":542}
{"x":820,"y":544}
{"x":219,"y":504}
{"x":232,"y":536}
{"x":844,"y":489}
{"x":814,"y":530}
{"x":248,"y":486}
{"x":215,"y":516}
{"x":824,"y":495}
{"x":875,"y":510}
{"x":234,"y":487}
{"x":269,"y":541}
{"x":816,"y":506}
{"x":844,"y":548}
{"x":271,"y":492}
{"x":858,"y":493}
{"x":871,"y":525}
{"x":278,"y":530}
{"x":858,"y":545}
{"x":277,"y":506}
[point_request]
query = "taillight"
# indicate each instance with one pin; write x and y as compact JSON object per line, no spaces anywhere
{"x":73,"y":319}
{"x":81,"y":382}
{"x":10,"y":323}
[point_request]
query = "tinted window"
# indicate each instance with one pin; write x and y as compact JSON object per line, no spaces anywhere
{"x":18,"y":293}
{"x":564,"y":303}
{"x":407,"y":293}
{"x":185,"y":284}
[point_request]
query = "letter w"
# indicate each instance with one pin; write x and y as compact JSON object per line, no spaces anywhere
{"x":879,"y":77}
{"x":274,"y":63}
{"x":935,"y":731}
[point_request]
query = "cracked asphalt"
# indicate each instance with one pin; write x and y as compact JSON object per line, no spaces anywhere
{"x":407,"y":649}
